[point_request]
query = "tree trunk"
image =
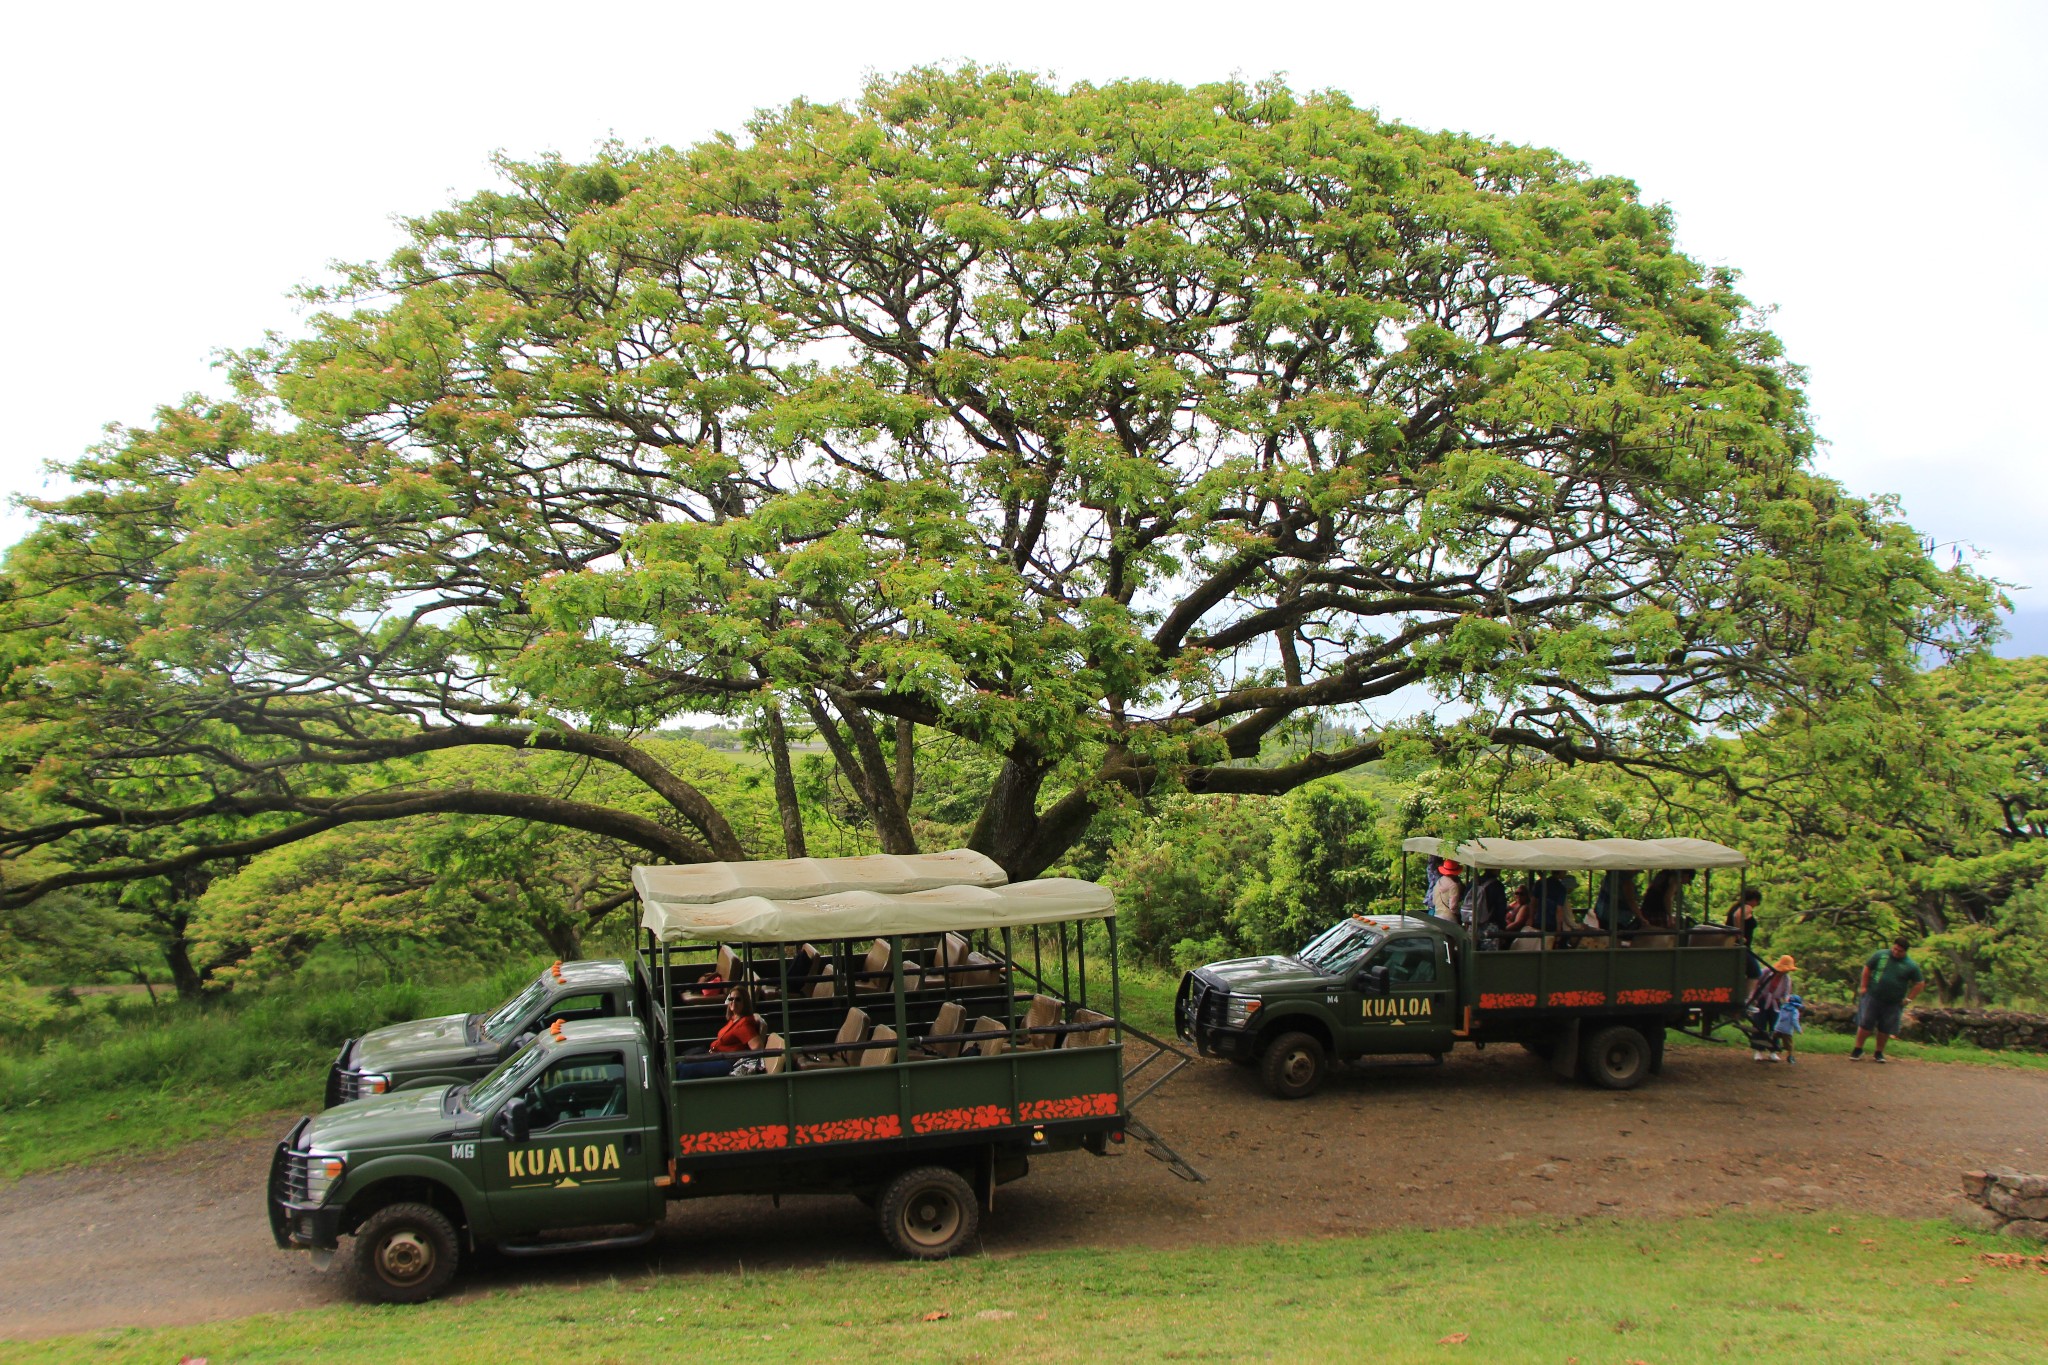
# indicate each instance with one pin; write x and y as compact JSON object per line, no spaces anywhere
{"x":785,"y":785}
{"x":906,"y":761}
{"x":564,"y":936}
{"x":178,"y":957}
{"x":866,"y":769}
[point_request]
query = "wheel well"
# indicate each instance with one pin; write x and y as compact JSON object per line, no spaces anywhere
{"x":1295,"y":1023}
{"x":403,"y":1189}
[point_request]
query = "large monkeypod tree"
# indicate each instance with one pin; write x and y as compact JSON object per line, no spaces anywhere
{"x":1117,"y":431}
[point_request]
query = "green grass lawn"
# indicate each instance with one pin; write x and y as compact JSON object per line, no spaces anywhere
{"x":142,"y":1078}
{"x":1733,"y":1288}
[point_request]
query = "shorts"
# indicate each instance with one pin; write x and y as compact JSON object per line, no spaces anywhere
{"x":1880,"y":1016}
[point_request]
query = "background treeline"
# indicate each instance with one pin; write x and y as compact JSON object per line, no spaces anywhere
{"x":1937,"y":827}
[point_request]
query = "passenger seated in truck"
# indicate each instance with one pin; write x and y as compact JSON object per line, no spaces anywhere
{"x":1618,"y":904}
{"x":1661,"y":902}
{"x":1484,"y":909}
{"x":741,"y":1034}
{"x":1521,"y":909}
{"x":1553,"y":900}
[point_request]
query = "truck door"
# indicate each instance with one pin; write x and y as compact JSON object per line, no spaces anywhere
{"x":1412,"y":1008}
{"x":588,"y":1157}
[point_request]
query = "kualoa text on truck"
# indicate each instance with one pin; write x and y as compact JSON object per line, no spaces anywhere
{"x":920,"y":1048}
{"x":1594,"y":1001}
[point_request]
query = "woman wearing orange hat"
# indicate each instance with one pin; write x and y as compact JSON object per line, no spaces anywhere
{"x":1766,"y":998}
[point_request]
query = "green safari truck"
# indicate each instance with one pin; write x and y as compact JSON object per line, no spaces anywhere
{"x":455,"y":1048}
{"x":932,"y":1069}
{"x":1593,"y":999}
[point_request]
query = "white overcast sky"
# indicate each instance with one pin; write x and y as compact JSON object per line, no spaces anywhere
{"x":1876,"y":171}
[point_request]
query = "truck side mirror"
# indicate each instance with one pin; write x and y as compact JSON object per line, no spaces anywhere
{"x":1376,"y":980}
{"x":514,"y":1120}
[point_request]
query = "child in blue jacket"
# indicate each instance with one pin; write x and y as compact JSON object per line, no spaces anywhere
{"x":1782,"y":1029}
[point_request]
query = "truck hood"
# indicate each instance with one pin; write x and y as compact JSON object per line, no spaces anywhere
{"x":381,"y":1120}
{"x":1255,"y":975}
{"x":418,"y":1043}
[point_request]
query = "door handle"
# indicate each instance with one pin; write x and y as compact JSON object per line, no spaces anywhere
{"x":632,"y":1144}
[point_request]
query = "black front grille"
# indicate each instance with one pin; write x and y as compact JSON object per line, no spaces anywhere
{"x":348,"y":1085}
{"x":292,"y":1178}
{"x":335,"y":1074}
{"x":1201,"y":1005}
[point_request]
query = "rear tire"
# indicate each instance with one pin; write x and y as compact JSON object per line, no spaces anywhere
{"x":404,"y":1253}
{"x":928,"y":1214}
{"x":1293,"y":1066}
{"x":1616,"y":1058}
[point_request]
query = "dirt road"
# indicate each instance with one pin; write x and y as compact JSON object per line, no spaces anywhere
{"x":1488,"y":1136}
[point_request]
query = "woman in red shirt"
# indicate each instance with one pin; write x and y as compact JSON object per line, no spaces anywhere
{"x":742,"y":1033}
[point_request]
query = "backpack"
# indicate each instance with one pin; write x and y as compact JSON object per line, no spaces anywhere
{"x":1474,"y":911}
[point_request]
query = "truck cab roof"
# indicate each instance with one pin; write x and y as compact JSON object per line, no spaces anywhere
{"x":582,"y":1032}
{"x":590,"y":972}
{"x":1394,"y":924}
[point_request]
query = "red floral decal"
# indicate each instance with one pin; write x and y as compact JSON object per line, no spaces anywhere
{"x":850,"y":1130}
{"x":1701,"y":995}
{"x":1642,"y":997}
{"x":1073,"y":1107}
{"x":1506,"y":1000}
{"x":735,"y":1140}
{"x":959,"y":1120}
{"x":1577,"y":999}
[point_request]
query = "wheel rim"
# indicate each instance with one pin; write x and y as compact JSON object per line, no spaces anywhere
{"x":931,"y":1217}
{"x":405,"y":1258}
{"x":1299,"y":1068}
{"x":1621,"y":1059}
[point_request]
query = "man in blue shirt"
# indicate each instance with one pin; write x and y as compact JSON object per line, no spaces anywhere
{"x":1890,"y":982}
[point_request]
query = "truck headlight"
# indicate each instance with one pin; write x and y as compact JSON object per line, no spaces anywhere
{"x":323,"y":1170}
{"x":1239,"y":1011}
{"x":370,"y":1083}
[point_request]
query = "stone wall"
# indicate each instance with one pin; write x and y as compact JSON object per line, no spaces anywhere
{"x":2005,"y":1201}
{"x":1998,"y":1030}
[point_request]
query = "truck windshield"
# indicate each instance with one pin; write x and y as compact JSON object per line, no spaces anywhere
{"x":509,"y":1076}
{"x":504,"y":1021}
{"x":1337,"y":949}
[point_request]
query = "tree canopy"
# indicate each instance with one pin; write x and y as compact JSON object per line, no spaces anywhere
{"x":1110,"y":431}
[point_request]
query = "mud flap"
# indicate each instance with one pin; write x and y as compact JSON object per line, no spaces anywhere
{"x":1564,"y":1061}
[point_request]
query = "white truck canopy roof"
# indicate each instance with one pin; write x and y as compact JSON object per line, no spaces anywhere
{"x":1582,"y":855}
{"x":877,"y":914}
{"x":792,"y":879}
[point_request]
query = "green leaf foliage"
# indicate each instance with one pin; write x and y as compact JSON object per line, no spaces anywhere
{"x":1103,"y":430}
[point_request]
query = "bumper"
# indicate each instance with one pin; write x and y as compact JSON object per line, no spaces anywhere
{"x":293,"y":1222}
{"x":1225,"y":1042}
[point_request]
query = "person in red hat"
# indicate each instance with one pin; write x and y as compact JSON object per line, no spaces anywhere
{"x":1448,"y":891}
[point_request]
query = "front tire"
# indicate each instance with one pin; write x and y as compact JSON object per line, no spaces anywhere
{"x":928,"y":1214}
{"x":1616,"y":1058}
{"x":1293,"y":1066}
{"x":404,"y":1253}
